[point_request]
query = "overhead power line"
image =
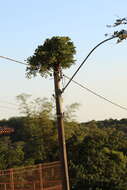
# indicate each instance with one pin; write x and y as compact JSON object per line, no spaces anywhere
{"x":10,"y":59}
{"x":71,"y":79}
{"x":84,"y":61}
{"x":8,"y":107}
{"x":6,"y":102}
{"x":96,"y":94}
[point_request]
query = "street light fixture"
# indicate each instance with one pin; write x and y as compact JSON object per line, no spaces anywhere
{"x":121,"y":35}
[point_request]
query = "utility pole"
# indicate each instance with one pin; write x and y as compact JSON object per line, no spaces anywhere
{"x":60,"y":126}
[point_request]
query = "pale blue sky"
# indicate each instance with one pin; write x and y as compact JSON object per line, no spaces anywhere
{"x":26,"y":24}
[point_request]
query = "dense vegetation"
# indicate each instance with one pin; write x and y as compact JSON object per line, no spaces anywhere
{"x":97,"y":150}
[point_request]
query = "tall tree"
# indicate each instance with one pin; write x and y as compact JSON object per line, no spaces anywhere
{"x":56,"y":53}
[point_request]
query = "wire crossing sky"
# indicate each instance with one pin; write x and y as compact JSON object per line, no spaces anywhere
{"x":70,"y":79}
{"x":26,"y":24}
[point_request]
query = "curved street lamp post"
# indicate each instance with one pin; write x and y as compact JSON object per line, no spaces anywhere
{"x":120,"y":35}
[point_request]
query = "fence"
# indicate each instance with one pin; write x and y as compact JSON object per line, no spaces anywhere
{"x":37,"y":177}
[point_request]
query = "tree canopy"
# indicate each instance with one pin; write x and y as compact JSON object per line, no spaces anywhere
{"x":55,"y":51}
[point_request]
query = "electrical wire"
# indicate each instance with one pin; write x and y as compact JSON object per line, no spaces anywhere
{"x":16,"y":61}
{"x":10,"y":59}
{"x":84,"y":61}
{"x":8,"y":107}
{"x":71,"y":79}
{"x":96,"y":94}
{"x":2,"y":101}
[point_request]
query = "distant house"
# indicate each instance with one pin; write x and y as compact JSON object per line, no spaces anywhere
{"x":5,"y":130}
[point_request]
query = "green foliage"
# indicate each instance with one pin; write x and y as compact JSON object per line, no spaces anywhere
{"x":97,"y":161}
{"x":54,"y":52}
{"x":40,"y":134}
{"x":11,"y":154}
{"x":97,"y":150}
{"x":70,"y":124}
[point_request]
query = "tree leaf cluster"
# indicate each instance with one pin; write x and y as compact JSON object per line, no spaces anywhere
{"x":99,"y":159}
{"x":55,"y":51}
{"x":35,"y":133}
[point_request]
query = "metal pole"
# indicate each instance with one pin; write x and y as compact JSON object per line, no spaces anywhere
{"x":60,"y":126}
